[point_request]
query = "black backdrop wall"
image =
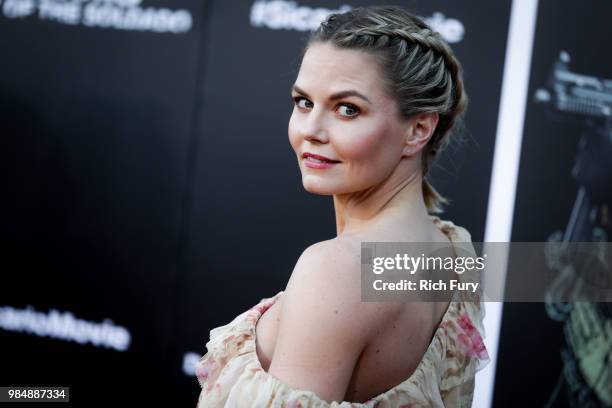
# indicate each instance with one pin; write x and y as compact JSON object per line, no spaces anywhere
{"x":97,"y":124}
{"x":150,"y":193}
{"x":534,"y":355}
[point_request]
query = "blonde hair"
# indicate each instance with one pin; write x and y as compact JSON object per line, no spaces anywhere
{"x":419,"y":67}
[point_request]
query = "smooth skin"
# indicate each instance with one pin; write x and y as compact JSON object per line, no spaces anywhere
{"x":324,"y":334}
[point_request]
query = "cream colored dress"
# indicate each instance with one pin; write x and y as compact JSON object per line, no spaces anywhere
{"x":231,"y":375}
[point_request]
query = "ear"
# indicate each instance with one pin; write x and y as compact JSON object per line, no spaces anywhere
{"x":418,"y":132}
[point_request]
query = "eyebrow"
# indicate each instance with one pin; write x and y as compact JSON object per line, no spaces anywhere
{"x":337,"y":95}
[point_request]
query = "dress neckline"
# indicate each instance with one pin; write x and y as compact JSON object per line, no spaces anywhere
{"x":449,"y":229}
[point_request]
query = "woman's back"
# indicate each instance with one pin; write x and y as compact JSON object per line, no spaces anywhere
{"x":396,"y":345}
{"x":385,"y":371}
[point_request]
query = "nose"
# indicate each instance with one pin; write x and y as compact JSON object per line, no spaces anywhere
{"x":314,"y":129}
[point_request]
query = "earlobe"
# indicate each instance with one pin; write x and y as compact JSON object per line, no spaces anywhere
{"x":408,"y":151}
{"x":411,"y":141}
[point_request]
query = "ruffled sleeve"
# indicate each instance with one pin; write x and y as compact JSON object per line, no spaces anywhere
{"x":465,"y":353}
{"x":231,"y":375}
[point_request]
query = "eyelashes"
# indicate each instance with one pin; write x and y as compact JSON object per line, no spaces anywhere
{"x":353,"y":110}
{"x":350,"y":108}
{"x":298,"y":99}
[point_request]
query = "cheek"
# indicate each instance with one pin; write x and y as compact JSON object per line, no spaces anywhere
{"x":294,"y":138}
{"x":364,"y":143}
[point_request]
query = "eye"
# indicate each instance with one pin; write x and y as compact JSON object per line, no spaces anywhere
{"x":302,"y":103}
{"x":348,"y":110}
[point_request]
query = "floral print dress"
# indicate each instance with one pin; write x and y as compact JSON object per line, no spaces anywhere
{"x":231,"y":375}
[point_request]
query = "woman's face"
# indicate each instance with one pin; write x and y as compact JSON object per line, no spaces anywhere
{"x":345,"y":130}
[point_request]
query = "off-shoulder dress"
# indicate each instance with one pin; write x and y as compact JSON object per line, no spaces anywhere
{"x":231,"y":375}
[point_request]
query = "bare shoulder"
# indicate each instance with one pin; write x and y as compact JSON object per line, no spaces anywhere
{"x":327,"y":277}
{"x":323,"y":325}
{"x":339,"y":255}
{"x":329,"y":266}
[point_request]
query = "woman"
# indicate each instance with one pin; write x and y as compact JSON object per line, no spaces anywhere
{"x":376,"y":95}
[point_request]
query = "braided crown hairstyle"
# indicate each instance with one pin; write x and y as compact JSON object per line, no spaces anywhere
{"x":419,"y":69}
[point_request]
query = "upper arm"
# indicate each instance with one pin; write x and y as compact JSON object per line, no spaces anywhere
{"x":323,"y":326}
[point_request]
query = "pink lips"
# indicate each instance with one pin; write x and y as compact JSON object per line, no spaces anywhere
{"x":315,"y":161}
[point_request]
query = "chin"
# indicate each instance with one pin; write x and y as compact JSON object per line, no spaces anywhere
{"x":316,"y":186}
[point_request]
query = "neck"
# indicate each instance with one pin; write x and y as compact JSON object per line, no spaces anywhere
{"x":401,"y":196}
